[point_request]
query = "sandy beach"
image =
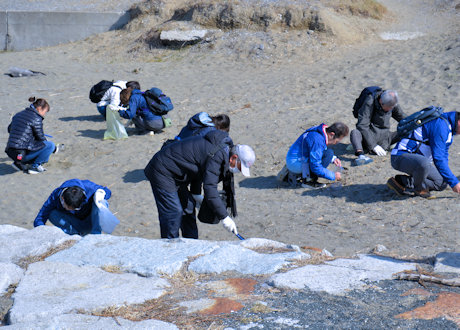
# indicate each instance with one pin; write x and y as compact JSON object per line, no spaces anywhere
{"x":271,"y":98}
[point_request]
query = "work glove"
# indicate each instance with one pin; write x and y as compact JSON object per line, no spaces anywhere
{"x":99,"y":197}
{"x":230,"y":225}
{"x":379,"y":151}
{"x":198,"y":200}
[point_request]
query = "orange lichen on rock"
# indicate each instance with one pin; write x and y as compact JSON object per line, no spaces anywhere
{"x":222,"y":306}
{"x":242,"y":285}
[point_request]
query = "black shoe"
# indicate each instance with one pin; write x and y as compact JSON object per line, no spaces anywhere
{"x":313,"y":184}
{"x":19,"y":167}
{"x":396,"y":187}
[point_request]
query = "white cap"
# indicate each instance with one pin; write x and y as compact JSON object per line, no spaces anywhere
{"x":246,"y":156}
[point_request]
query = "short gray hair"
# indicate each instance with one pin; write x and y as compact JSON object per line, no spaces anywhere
{"x":389,"y":98}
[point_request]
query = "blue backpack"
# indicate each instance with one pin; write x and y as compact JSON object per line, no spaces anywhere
{"x":407,"y":125}
{"x":360,"y":100}
{"x":157,"y":101}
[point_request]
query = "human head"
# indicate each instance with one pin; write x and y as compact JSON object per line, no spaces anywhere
{"x":40,"y":105}
{"x":125,"y":95}
{"x":336,"y":132}
{"x":388,"y":100}
{"x":242,"y":157}
{"x":457,"y":122}
{"x":221,"y":122}
{"x":72,"y":198}
{"x":133,"y":85}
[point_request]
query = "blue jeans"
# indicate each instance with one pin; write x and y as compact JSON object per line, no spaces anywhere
{"x":102,"y":110}
{"x":72,"y":225}
{"x":296,"y":166}
{"x":176,"y":210}
{"x":40,"y":156}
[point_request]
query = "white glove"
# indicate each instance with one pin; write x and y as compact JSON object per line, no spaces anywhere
{"x":379,"y":151}
{"x":198,"y":199}
{"x":230,"y":225}
{"x":99,"y":197}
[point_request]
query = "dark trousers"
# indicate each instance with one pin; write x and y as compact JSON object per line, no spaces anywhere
{"x":144,"y":125}
{"x":424,"y":175}
{"x":356,"y":139}
{"x":176,"y":210}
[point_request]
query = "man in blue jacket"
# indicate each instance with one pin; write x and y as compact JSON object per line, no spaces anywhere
{"x":196,"y":161}
{"x":78,"y":207}
{"x":309,"y":156}
{"x":424,"y":155}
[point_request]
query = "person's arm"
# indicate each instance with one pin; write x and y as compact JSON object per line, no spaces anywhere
{"x":115,"y":95}
{"x":37,"y":130}
{"x":50,"y":205}
{"x":438,"y":135}
{"x":130,"y":113}
{"x":364,"y":122}
{"x":214,"y":167}
{"x":397,"y":113}
{"x":315,"y":162}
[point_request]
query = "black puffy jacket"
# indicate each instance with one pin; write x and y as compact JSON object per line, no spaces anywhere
{"x":26,"y":131}
{"x":186,"y":162}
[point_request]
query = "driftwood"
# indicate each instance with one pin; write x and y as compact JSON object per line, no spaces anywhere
{"x":409,"y":276}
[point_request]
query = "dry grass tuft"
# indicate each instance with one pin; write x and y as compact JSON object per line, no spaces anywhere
{"x":26,"y":261}
{"x":364,"y":8}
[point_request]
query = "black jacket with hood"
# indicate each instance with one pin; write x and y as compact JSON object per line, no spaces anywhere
{"x":26,"y":131}
{"x":188,"y":162}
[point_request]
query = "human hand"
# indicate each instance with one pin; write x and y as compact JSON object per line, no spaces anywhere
{"x":198,"y":200}
{"x":456,"y":188}
{"x":338,"y":176}
{"x":337,"y":162}
{"x":230,"y":225}
{"x":99,"y":197}
{"x":379,"y":151}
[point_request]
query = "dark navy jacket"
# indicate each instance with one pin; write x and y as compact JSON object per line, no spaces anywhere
{"x":438,"y":136}
{"x":54,"y":203}
{"x":200,"y":124}
{"x":138,"y":106}
{"x":186,"y":162}
{"x":26,"y":131}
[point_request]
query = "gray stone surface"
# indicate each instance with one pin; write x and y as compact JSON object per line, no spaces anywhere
{"x":135,"y":255}
{"x":182,"y":37}
{"x":29,"y":242}
{"x":27,"y":30}
{"x":340,"y":275}
{"x":447,"y":262}
{"x":243,"y":260}
{"x":50,"y":289}
{"x":85,"y":322}
{"x":9,"y":274}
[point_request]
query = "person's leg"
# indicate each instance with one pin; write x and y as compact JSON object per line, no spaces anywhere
{"x":40,"y":156}
{"x":102,"y":110}
{"x":68,"y":223}
{"x":188,"y":224}
{"x":154,"y":125}
{"x":169,"y":212}
{"x":139,"y":123}
{"x":415,"y":165}
{"x":356,"y":139}
{"x":394,"y":138}
{"x":434,"y":180}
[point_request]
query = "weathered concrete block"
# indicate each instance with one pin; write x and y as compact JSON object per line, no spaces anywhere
{"x":9,"y":274}
{"x":182,"y":38}
{"x":447,"y":262}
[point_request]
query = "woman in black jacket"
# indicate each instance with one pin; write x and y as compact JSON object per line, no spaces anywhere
{"x":27,"y":143}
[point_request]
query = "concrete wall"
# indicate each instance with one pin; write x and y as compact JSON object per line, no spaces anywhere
{"x":20,"y":30}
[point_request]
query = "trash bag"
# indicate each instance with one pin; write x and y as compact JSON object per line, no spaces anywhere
{"x":115,"y":129}
{"x":107,"y":220}
{"x":20,"y":72}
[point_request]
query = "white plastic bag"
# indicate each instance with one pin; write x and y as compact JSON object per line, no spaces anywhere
{"x":115,"y":129}
{"x":107,"y":220}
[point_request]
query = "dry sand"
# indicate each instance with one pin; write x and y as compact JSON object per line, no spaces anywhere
{"x":271,"y":97}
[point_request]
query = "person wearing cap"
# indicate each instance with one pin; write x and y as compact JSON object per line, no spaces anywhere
{"x":179,"y":170}
{"x":78,"y":207}
{"x":309,"y":156}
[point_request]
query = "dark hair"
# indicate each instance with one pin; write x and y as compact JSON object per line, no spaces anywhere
{"x":39,"y":102}
{"x":221,"y":122}
{"x":457,"y":118}
{"x":125,"y":95}
{"x":133,"y":85}
{"x":74,"y":196}
{"x":339,"y":129}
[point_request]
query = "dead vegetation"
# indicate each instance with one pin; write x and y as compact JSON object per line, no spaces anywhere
{"x":25,"y":262}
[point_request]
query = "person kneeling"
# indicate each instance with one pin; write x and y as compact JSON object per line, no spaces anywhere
{"x":309,"y":156}
{"x":78,"y":207}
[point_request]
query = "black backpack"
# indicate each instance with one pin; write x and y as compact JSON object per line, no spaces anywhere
{"x":97,"y":91}
{"x":417,"y":119}
{"x":157,"y":101}
{"x":360,"y":100}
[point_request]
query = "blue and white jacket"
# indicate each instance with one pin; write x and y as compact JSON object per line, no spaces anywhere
{"x":308,"y":149}
{"x":437,"y":136}
{"x":54,"y":200}
{"x":138,"y":107}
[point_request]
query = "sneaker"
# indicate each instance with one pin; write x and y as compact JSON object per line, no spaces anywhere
{"x":35,"y":169}
{"x":423,"y":193}
{"x":19,"y":167}
{"x":283,"y":174}
{"x":362,"y":160}
{"x":396,"y":187}
{"x":313,"y":184}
